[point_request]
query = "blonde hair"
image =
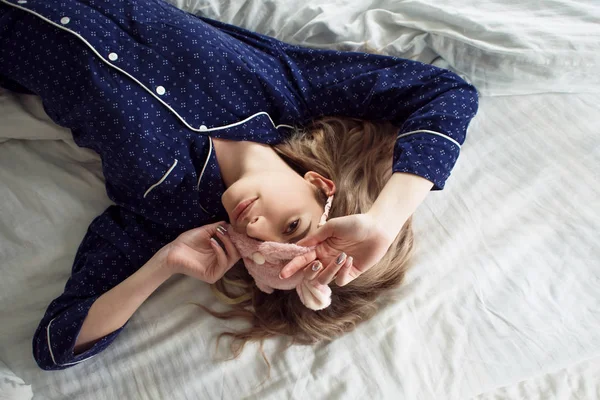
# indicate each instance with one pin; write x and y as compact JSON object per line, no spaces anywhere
{"x":357,"y":156}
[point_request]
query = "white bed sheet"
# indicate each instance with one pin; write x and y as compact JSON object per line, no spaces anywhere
{"x":502,"y":300}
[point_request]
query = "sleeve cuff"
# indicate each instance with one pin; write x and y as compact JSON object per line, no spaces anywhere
{"x":428,"y":154}
{"x":62,"y":332}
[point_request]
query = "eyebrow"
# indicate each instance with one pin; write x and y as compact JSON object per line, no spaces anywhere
{"x":302,"y":235}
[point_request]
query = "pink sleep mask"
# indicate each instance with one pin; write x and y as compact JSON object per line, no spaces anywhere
{"x":265,"y":260}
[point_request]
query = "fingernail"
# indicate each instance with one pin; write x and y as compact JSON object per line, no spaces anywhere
{"x":221,"y":230}
{"x":281,"y":277}
{"x":349,"y":263}
{"x":316,"y":266}
{"x":340,"y":258}
{"x":214,"y":241}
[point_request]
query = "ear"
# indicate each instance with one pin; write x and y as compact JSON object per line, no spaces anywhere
{"x":326,"y":185}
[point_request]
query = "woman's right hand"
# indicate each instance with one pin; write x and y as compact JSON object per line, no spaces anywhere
{"x":359,"y":238}
{"x":195,"y":253}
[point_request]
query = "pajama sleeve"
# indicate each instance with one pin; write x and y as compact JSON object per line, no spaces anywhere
{"x":432,"y":107}
{"x":113,"y":248}
{"x":13,"y":86}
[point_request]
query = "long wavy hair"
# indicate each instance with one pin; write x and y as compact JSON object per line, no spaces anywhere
{"x":357,"y":156}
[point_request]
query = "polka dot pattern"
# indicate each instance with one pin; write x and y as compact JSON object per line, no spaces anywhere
{"x":147,"y":85}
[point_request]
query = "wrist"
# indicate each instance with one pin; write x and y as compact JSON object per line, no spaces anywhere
{"x":387,"y":226}
{"x":398,"y":200}
{"x":159,"y":263}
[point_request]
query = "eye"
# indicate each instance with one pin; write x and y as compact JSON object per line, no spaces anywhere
{"x":292,"y":227}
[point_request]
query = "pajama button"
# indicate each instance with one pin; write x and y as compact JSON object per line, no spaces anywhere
{"x":160,"y":90}
{"x":65,"y":20}
{"x":203,"y":128}
{"x":113,"y":56}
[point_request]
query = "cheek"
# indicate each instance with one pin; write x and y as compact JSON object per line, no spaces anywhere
{"x":291,"y":196}
{"x":278,"y":192}
{"x":282,"y":203}
{"x":275,"y":186}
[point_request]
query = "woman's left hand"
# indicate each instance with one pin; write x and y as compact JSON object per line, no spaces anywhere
{"x":359,"y":236}
{"x":197,"y":254}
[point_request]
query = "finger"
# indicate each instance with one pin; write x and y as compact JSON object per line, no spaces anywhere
{"x":319,"y":235}
{"x":313,"y":270}
{"x":347,"y":274}
{"x":229,"y":246}
{"x":221,"y":256}
{"x":297,"y":264}
{"x":343,"y":278}
{"x":328,"y":273}
{"x":198,"y":235}
{"x":212,"y":228}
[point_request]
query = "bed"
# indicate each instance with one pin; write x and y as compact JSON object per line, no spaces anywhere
{"x":503,"y":298}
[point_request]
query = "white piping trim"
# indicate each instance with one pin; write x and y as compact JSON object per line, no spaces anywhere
{"x":238,"y":123}
{"x":282,"y":125}
{"x":48,"y":339}
{"x":50,"y":348}
{"x":139,"y":83}
{"x":210,"y":149}
{"x":432,"y":132}
{"x":161,"y":179}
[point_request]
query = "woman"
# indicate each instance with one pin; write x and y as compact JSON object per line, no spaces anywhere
{"x":193,"y":119}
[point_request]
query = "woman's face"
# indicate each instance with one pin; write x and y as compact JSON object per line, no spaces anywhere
{"x":276,"y":206}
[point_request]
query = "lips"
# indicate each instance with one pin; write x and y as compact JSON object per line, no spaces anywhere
{"x":242,"y":209}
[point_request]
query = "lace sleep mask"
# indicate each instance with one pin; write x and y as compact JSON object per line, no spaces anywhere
{"x":265,"y":260}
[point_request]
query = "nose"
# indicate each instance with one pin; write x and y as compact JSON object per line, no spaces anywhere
{"x":258,"y":228}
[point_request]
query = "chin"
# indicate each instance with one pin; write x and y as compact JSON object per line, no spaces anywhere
{"x":226,"y":202}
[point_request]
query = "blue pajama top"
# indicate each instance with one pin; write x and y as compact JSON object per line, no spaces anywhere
{"x":147,"y":85}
